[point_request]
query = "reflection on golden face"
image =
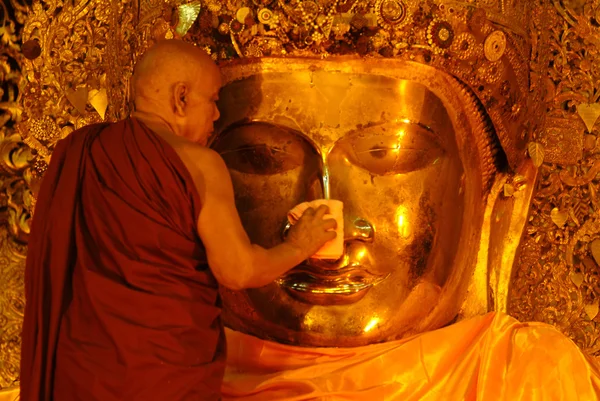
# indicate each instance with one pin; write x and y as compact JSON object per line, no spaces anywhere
{"x":387,"y":147}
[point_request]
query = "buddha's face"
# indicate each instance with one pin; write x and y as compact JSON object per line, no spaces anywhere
{"x":387,"y":148}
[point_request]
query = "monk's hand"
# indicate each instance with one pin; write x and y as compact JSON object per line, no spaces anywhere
{"x":312,"y":230}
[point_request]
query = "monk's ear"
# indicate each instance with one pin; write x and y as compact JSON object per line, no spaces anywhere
{"x":181,"y":95}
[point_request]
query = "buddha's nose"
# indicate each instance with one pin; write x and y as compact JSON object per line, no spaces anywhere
{"x":359,"y":229}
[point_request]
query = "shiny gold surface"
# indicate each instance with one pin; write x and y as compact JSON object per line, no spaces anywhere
{"x":65,"y":64}
{"x":404,"y":147}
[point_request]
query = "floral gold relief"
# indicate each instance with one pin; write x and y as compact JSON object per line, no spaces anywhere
{"x":555,"y":278}
{"x":518,"y":80}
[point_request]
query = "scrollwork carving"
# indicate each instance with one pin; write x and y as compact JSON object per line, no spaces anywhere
{"x":556,"y":276}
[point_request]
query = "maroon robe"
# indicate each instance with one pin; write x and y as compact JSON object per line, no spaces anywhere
{"x":121,"y":304}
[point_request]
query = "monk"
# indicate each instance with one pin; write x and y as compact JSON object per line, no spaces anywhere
{"x":134,"y":229}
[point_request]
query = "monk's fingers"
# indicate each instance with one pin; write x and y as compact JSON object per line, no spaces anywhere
{"x":309,"y":212}
{"x":321,"y":211}
{"x":329,"y":235}
{"x":329,"y":224}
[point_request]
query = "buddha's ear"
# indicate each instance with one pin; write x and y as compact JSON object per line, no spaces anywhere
{"x":180,"y":95}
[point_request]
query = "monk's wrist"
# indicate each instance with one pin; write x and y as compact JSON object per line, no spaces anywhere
{"x":295,"y":251}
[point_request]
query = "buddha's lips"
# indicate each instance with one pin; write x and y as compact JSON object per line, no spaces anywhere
{"x":343,"y":280}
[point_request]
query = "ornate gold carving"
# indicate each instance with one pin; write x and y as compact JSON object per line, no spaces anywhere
{"x":536,"y":152}
{"x":16,"y":180}
{"x":495,"y":46}
{"x":556,"y":277}
{"x":589,"y":113}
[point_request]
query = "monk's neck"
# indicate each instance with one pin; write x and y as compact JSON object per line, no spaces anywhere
{"x":155,"y":123}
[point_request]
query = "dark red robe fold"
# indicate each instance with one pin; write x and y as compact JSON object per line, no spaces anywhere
{"x":121,"y":304}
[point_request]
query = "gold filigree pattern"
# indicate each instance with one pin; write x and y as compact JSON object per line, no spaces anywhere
{"x":556,"y":277}
{"x":15,"y":195}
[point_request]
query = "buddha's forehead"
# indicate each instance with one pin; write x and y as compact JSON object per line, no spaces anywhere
{"x":327,"y":100}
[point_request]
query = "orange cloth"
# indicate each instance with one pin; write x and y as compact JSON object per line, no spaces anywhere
{"x":333,"y":249}
{"x":488,"y":358}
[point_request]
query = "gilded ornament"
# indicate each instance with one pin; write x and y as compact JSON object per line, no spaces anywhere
{"x":595,"y":248}
{"x":464,"y":46}
{"x":99,"y":101}
{"x":509,"y":190}
{"x":103,"y":12}
{"x":253,"y":51}
{"x":392,"y":12}
{"x":519,"y":182}
{"x":589,"y":142}
{"x":591,"y":310}
{"x":40,"y":166}
{"x":589,"y":113}
{"x":223,"y":28}
{"x":495,"y":46}
{"x":78,"y":99}
{"x":359,"y":21}
{"x":186,"y":16}
{"x":214,"y":6}
{"x":236,"y":26}
{"x":536,"y":152}
{"x":44,"y":129}
{"x":265,"y":16}
{"x":31,"y":49}
{"x":490,"y":72}
{"x":440,"y":35}
{"x":559,"y":217}
{"x":242,"y":14}
{"x":339,"y":29}
{"x":577,"y":279}
{"x":308,"y":11}
{"x":563,"y":140}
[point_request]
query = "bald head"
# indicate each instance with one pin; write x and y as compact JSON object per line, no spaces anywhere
{"x":168,"y":62}
{"x":172,"y":81}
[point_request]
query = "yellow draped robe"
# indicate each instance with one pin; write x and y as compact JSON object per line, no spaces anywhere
{"x":488,"y":358}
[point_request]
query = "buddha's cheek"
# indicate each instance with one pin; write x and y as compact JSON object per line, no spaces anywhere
{"x":403,"y":210}
{"x":263,"y":202}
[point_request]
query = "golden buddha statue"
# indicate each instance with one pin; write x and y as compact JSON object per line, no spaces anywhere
{"x":418,"y":146}
{"x":406,"y":149}
{"x":427,"y":149}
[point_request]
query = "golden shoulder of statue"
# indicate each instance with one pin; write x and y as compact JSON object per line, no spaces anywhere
{"x":409,"y":152}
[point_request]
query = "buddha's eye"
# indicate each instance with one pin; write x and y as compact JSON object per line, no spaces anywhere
{"x":395,"y":160}
{"x":260,"y":159}
{"x":385,"y":153}
{"x":263,"y":149}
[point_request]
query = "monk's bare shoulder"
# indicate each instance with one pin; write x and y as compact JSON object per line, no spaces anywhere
{"x":207,"y":168}
{"x":200,"y":159}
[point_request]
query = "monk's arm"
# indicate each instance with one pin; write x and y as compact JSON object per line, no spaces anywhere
{"x":233,"y":259}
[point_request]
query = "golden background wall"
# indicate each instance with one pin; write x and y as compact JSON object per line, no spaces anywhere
{"x":50,"y":88}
